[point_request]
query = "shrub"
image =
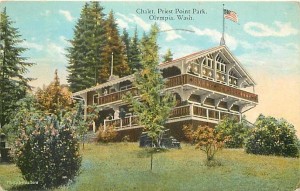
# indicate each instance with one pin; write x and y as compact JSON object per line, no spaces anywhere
{"x":272,"y":137}
{"x":107,"y":134}
{"x":207,"y":139}
{"x":236,"y":131}
{"x":188,"y":132}
{"x":49,"y":155}
{"x":26,"y":117}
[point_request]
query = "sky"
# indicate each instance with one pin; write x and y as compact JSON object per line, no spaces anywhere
{"x":266,"y":40}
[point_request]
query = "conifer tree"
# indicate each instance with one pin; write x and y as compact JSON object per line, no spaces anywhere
{"x":99,"y":38}
{"x":113,"y":45}
{"x":134,"y":53}
{"x":84,"y":54}
{"x":155,"y":105}
{"x":54,"y":98}
{"x":13,"y":85}
{"x":126,"y":40}
{"x":168,"y":56}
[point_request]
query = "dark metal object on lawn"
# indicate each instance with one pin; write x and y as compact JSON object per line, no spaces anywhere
{"x":4,"y":152}
{"x":166,"y":142}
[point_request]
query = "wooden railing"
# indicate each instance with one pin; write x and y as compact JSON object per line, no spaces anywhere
{"x":207,"y":84}
{"x":186,"y":79}
{"x":127,"y":122}
{"x":116,"y":96}
{"x":181,"y":112}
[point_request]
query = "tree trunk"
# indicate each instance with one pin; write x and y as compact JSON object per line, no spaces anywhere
{"x":151,"y":160}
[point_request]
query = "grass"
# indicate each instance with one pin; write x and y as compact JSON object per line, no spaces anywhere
{"x":120,"y":166}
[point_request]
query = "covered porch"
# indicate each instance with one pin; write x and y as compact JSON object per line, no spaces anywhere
{"x":186,"y":112}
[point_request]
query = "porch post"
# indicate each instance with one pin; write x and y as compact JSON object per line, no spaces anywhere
{"x":104,"y":124}
{"x":94,"y":126}
{"x":191,"y":109}
{"x":207,"y":116}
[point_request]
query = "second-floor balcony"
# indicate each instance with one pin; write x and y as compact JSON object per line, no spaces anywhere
{"x":116,"y":96}
{"x":210,"y":85}
{"x":185,"y":79}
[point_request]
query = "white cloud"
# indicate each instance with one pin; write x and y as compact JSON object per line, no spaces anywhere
{"x":67,"y":15}
{"x":122,"y":24}
{"x":56,"y":52}
{"x":215,"y":36}
{"x":276,"y":59}
{"x":31,"y":45}
{"x":124,"y":21}
{"x":53,"y":57}
{"x":65,"y":41}
{"x":125,"y":18}
{"x":171,"y":34}
{"x":141,"y":22}
{"x":262,"y":30}
{"x":133,"y":19}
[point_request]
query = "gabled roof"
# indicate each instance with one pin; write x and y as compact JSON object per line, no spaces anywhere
{"x":106,"y":84}
{"x":202,"y":53}
{"x":199,"y":53}
{"x":224,"y":49}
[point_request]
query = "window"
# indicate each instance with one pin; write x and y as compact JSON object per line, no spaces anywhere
{"x":210,"y":63}
{"x":95,"y":99}
{"x":221,"y":67}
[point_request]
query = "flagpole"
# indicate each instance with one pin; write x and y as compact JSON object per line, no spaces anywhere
{"x":112,"y":64}
{"x":222,"y":42}
{"x":223,"y":24}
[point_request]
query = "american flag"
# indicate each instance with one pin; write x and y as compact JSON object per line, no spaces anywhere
{"x":231,"y":15}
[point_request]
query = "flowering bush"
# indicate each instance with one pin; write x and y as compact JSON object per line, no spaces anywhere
{"x":49,"y":155}
{"x":206,"y":139}
{"x":106,"y":135}
{"x":272,"y":137}
{"x":189,"y":133}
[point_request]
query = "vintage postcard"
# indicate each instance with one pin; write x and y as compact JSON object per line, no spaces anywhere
{"x":219,"y":60}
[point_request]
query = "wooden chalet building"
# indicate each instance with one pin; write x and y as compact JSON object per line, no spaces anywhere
{"x":208,"y":86}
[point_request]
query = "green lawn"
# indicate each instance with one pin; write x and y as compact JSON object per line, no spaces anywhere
{"x":120,"y":166}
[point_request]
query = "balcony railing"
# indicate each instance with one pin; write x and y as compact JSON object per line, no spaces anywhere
{"x":127,"y":122}
{"x":182,"y":113}
{"x":116,"y":96}
{"x":210,"y":85}
{"x":202,"y":112}
{"x":186,"y":79}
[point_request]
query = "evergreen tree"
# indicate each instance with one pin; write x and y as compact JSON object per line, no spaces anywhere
{"x":155,"y":105}
{"x":13,"y":85}
{"x":99,"y":38}
{"x":134,"y":53}
{"x":113,"y":45}
{"x":168,"y":57}
{"x":54,"y":98}
{"x":87,"y":44}
{"x":126,"y":40}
